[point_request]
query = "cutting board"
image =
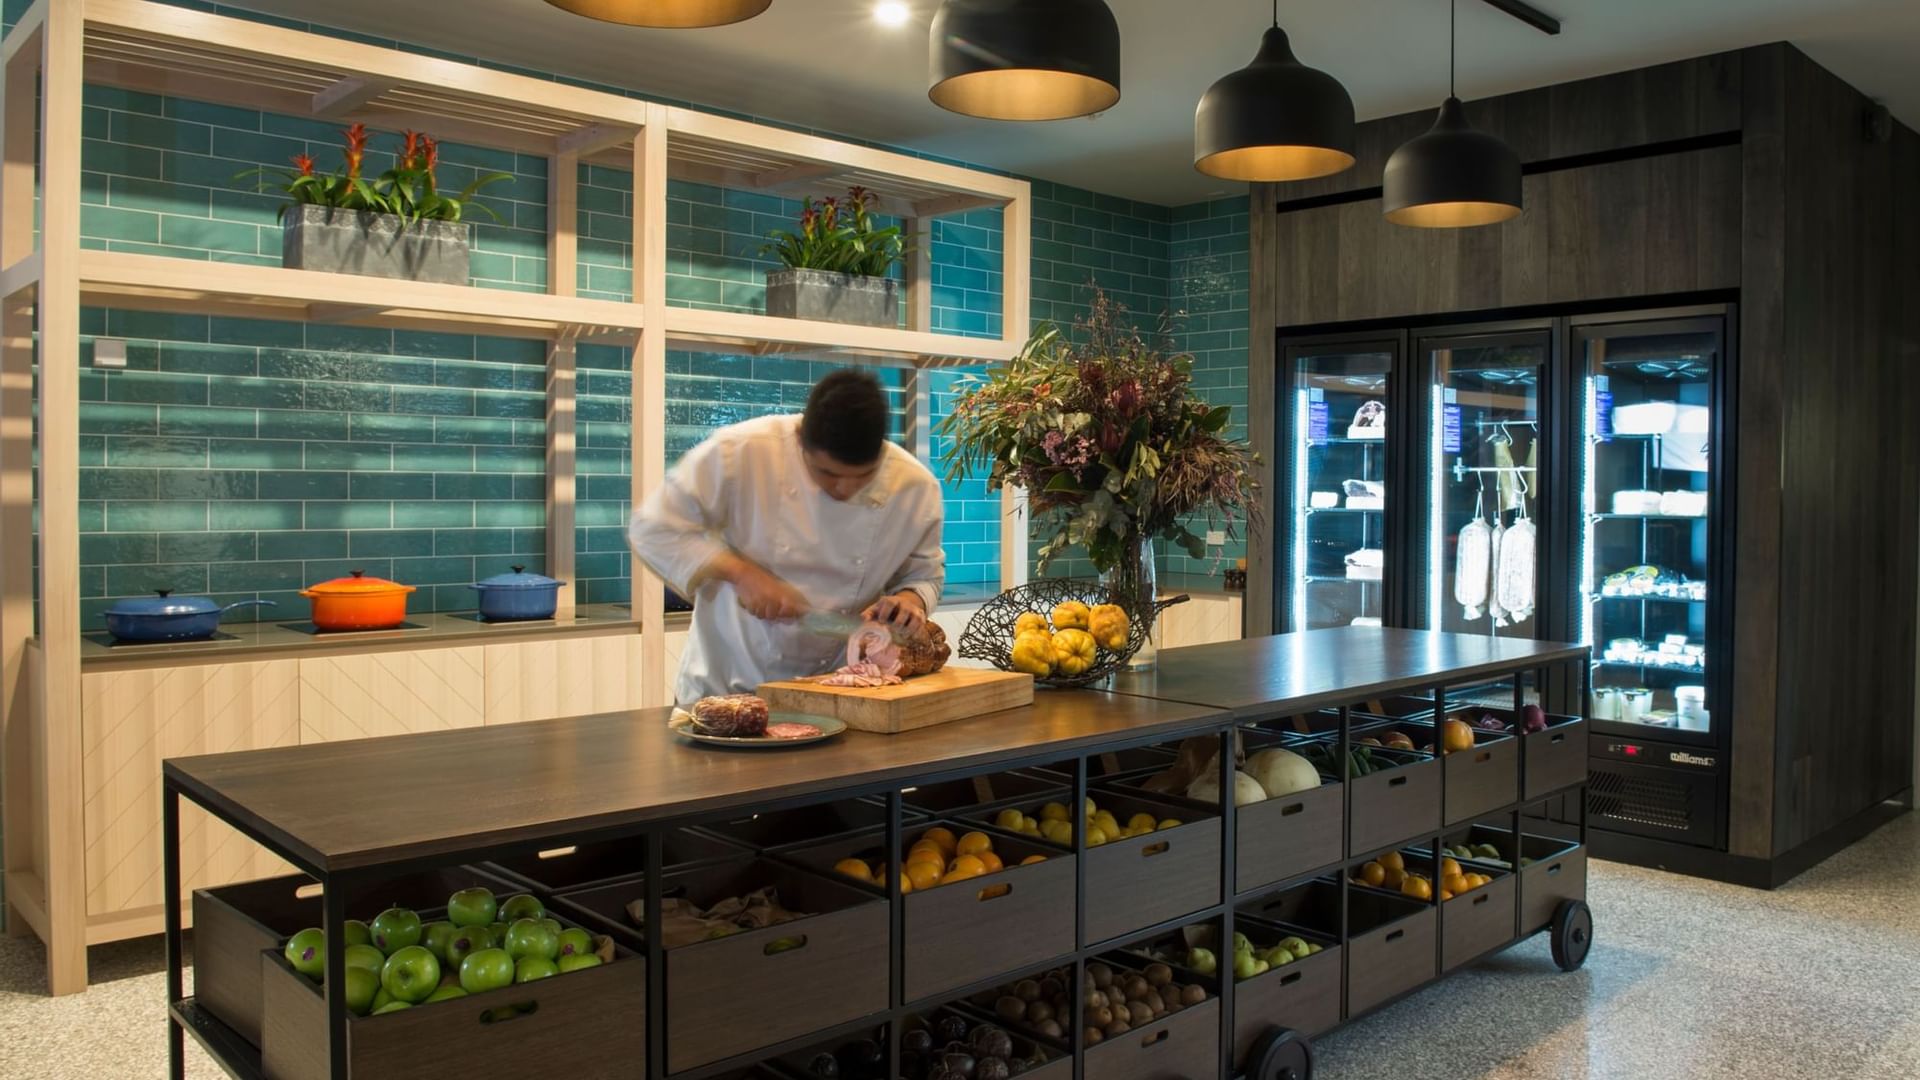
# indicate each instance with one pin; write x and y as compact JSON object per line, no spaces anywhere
{"x":947,"y":694}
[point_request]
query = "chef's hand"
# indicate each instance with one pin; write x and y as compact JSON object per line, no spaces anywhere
{"x":904,"y":611}
{"x":765,"y":595}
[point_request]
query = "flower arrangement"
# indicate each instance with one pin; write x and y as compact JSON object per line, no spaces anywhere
{"x":1107,"y":437}
{"x":840,"y":235}
{"x":409,"y":190}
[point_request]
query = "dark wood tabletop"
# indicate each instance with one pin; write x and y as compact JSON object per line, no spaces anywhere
{"x":364,"y":802}
{"x":1285,"y":674}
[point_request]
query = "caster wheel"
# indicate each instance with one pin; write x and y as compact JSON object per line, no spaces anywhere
{"x":1572,"y":934}
{"x":1281,"y":1054}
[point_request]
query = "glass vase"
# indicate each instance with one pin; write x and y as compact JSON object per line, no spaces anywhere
{"x":1132,"y":582}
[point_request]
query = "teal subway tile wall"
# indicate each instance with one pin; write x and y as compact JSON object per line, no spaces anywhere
{"x":247,"y":458}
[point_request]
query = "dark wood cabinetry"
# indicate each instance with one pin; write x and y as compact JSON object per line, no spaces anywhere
{"x":1746,"y":179}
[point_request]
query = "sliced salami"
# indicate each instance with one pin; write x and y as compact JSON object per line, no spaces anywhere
{"x":790,"y":730}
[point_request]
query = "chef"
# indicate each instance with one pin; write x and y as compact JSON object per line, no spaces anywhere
{"x":773,"y":518}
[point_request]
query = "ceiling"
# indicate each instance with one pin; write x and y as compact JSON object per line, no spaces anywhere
{"x":827,"y":64}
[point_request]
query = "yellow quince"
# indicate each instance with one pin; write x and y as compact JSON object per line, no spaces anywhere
{"x":1109,"y":625}
{"x":1033,"y":653}
{"x":1028,"y":623}
{"x":1073,"y":652}
{"x":1071,"y":615}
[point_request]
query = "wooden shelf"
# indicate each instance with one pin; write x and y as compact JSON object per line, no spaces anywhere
{"x":161,"y":283}
{"x":695,"y":328}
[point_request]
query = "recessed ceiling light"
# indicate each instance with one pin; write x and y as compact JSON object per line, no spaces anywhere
{"x":892,"y":13}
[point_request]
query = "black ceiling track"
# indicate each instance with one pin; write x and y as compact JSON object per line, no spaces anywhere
{"x":1527,"y":13}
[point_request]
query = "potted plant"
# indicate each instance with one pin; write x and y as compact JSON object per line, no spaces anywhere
{"x":397,"y":225}
{"x":837,"y":264}
{"x":1112,"y":445}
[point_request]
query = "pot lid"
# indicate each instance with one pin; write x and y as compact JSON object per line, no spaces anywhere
{"x":162,"y":603}
{"x":358,"y":584}
{"x":519,"y":579}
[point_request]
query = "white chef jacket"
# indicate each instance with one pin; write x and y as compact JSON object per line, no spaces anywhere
{"x":746,"y":489}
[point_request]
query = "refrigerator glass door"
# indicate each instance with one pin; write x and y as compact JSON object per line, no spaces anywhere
{"x":1486,"y":485}
{"x":1336,"y":560}
{"x":1645,"y":561}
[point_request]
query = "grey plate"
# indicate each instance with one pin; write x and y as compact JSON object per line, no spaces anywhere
{"x":682,"y":724}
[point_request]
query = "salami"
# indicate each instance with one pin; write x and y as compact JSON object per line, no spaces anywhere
{"x":735,"y":716}
{"x":788,"y":730}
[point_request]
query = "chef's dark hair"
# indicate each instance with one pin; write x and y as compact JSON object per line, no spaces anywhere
{"x":846,"y":418}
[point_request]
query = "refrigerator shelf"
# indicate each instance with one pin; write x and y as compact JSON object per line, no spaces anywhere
{"x":1328,"y":579}
{"x":1677,"y":669}
{"x":1650,"y":596}
{"x":1311,"y":511}
{"x":1646,"y":517}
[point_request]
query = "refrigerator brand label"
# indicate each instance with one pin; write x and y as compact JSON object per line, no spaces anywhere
{"x":1450,"y":428}
{"x":1681,"y":757}
{"x":1603,"y":415}
{"x":1316,"y":423}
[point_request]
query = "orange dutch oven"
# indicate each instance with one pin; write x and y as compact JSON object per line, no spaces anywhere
{"x":358,"y":602}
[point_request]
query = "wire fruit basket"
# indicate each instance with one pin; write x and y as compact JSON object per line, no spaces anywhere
{"x":989,"y":634}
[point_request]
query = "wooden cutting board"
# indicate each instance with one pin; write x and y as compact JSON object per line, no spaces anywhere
{"x":947,"y":694}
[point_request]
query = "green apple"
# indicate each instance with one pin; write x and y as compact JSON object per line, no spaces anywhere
{"x":445,"y":993}
{"x":435,"y":935}
{"x":366,"y":956}
{"x":381,"y":998}
{"x":522,"y":906}
{"x":526,"y":937}
{"x":307,"y":952}
{"x":395,"y":929}
{"x":356,"y":933}
{"x":472,"y":907}
{"x":362,"y":985}
{"x":499,"y":931}
{"x":533,"y":968}
{"x":575,"y":942}
{"x":577,"y":961}
{"x":467,"y":941}
{"x":411,"y":974}
{"x":488,"y":969}
{"x":552,"y":924}
{"x":391,"y":1006}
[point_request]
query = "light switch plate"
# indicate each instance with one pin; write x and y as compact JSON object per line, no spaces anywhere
{"x":1216,"y":538}
{"x":109,"y":353}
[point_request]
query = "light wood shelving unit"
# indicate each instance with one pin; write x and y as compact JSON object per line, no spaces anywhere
{"x":60,"y":45}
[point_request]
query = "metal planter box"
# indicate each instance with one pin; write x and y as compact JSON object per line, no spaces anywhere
{"x":362,"y":242}
{"x":830,"y":296}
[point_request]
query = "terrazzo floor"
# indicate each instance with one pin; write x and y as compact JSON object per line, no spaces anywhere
{"x":1686,"y":979}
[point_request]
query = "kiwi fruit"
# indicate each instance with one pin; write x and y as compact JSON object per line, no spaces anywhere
{"x":1027,"y":990}
{"x":1094,"y":1036}
{"x":1141,"y":1014}
{"x":1136,"y":987}
{"x":1118,"y":1028}
{"x":1100,"y":1017}
{"x":1010,"y":1008}
{"x":1051,"y":1029}
{"x":1101,"y":975}
{"x":1038,"y":1011}
{"x":1194,"y":994}
{"x":1170,"y":995}
{"x":1159,"y":975}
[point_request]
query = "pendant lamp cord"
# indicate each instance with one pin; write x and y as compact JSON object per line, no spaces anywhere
{"x":1276,"y":12}
{"x":1453,"y":43}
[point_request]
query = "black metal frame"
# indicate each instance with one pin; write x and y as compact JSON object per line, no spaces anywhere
{"x":240,"y":1060}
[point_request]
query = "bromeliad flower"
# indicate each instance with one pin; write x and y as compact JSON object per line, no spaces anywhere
{"x":430,"y":150}
{"x":410,"y":151}
{"x":304,"y":163}
{"x":356,"y":148}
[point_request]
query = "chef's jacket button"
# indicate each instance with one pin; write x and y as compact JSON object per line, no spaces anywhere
{"x":859,"y":562}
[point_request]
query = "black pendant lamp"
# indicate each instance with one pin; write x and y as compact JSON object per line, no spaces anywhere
{"x":1024,"y":59}
{"x":1275,"y":119}
{"x":1454,"y":176}
{"x":670,"y":14}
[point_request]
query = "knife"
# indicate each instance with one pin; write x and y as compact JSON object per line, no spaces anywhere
{"x":837,"y":624}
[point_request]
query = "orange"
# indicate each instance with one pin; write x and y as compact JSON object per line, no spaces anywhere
{"x":970,"y":865}
{"x":1031,"y":859}
{"x":924,"y":875}
{"x":942,"y":837}
{"x":974,"y":843}
{"x":1477,"y":880}
{"x":1392,"y":861}
{"x":991,"y":861}
{"x":1445,"y":895}
{"x":992,"y":891}
{"x":959,"y":874}
{"x":854,"y":869}
{"x":1449,"y":867}
{"x":1418,"y":888}
{"x":906,"y":885}
{"x":1373,"y":873}
{"x":1392,"y":879}
{"x":1454,"y":883}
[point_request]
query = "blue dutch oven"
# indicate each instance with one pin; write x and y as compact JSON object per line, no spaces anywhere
{"x":169,"y":618}
{"x":519,"y":595}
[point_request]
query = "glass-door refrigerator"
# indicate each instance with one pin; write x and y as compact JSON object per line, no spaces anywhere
{"x":1489,"y":434}
{"x":1651,"y":575}
{"x":1338,"y":398}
